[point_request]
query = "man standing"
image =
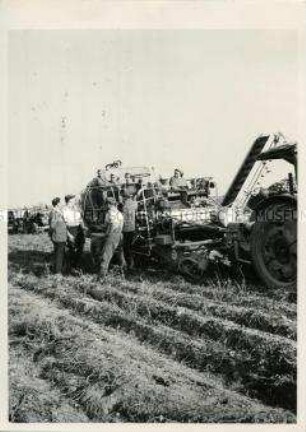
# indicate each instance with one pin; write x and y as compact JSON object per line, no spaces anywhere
{"x":75,"y":230}
{"x":113,"y":236}
{"x":114,"y":187}
{"x":140,"y":184}
{"x":113,"y":181}
{"x":129,"y":216}
{"x":58,"y":235}
{"x":25,"y":220}
{"x":99,"y":180}
{"x":129,"y":187}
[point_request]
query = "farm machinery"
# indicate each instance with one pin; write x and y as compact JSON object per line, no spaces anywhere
{"x":186,"y":229}
{"x":27,"y":221}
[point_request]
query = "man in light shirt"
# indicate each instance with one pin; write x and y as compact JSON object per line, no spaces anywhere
{"x":75,"y":230}
{"x":113,"y":237}
{"x":179,"y":184}
{"x":58,"y":235}
{"x":177,"y":181}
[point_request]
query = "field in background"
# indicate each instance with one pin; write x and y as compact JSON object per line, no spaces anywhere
{"x":149,"y":348}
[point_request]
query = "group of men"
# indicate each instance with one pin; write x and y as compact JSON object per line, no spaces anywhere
{"x":113,"y":181}
{"x":67,"y":229}
{"x":176,"y":182}
{"x":67,"y":232}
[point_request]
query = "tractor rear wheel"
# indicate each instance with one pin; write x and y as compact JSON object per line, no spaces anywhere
{"x":274,"y":246}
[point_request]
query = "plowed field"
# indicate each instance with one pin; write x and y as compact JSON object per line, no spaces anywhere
{"x":150,"y":347}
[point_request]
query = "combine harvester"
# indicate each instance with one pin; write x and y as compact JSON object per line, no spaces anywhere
{"x":186,"y":230}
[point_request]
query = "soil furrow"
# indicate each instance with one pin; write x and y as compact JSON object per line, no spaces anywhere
{"x":255,"y":361}
{"x":33,"y":399}
{"x":116,"y":382}
{"x":228,"y":292}
{"x":247,"y":316}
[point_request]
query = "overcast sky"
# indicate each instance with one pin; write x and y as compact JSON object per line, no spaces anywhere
{"x":193,"y":99}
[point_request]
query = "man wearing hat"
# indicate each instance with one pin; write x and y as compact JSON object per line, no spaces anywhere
{"x":113,"y":236}
{"x":58,"y":235}
{"x":75,"y":230}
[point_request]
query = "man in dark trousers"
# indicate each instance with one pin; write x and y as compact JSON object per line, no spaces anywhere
{"x":58,"y":235}
{"x":76,"y":228}
{"x":129,"y":216}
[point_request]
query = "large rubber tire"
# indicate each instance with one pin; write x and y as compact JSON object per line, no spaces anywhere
{"x":274,"y":248}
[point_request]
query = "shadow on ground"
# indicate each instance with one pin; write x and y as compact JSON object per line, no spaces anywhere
{"x":39,"y":263}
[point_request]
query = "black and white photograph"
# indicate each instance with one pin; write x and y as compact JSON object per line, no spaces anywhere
{"x":152,"y":215}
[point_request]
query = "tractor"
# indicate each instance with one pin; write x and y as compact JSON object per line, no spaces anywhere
{"x":268,"y":238}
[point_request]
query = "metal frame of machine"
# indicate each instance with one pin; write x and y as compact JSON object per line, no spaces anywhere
{"x":186,"y":229}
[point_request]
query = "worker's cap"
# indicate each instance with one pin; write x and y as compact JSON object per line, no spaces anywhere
{"x":55,"y":201}
{"x":69,"y":197}
{"x":111,"y":201}
{"x":127,"y":174}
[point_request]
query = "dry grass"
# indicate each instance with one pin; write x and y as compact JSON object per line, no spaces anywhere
{"x":90,"y":367}
{"x":33,"y":399}
{"x":150,"y":348}
{"x":278,"y":323}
